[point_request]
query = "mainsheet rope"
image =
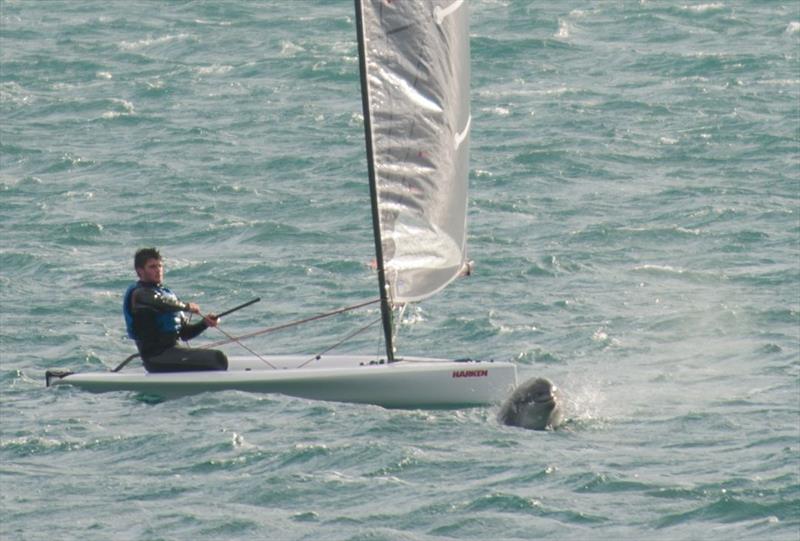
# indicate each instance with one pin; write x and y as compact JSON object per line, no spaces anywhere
{"x":233,"y":339}
{"x":340,"y":342}
{"x":295,"y":323}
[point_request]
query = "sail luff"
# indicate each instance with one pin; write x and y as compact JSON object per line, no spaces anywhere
{"x":386,"y":309}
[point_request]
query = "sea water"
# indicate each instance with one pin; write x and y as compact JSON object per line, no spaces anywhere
{"x":635,"y":228}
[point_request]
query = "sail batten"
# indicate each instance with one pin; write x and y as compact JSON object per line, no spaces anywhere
{"x":416,"y":73}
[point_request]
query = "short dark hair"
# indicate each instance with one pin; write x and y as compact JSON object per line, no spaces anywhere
{"x":144,"y":255}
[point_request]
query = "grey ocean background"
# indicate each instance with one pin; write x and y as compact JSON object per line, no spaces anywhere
{"x":633,"y":219}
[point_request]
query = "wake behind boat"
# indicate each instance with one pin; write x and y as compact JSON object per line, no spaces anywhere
{"x":414,"y":67}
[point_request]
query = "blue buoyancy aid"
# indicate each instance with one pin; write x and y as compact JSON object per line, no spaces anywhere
{"x":165,"y":322}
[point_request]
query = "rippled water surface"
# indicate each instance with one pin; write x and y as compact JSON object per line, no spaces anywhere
{"x":633,"y":219}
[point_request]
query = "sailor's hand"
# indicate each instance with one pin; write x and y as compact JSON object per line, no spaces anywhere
{"x":211,"y":320}
{"x":193,"y":307}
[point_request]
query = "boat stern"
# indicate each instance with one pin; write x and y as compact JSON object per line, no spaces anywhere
{"x":52,"y":377}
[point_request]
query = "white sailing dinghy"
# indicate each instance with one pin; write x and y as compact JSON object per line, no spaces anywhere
{"x":414,"y":65}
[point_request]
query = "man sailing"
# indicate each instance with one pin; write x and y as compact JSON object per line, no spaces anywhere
{"x":154,"y":317}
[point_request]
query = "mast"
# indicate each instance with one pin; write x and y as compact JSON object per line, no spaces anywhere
{"x":386,"y":309}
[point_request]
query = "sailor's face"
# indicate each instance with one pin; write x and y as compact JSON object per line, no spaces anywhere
{"x":153,"y":271}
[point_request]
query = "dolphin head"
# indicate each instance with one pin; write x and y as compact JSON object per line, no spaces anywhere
{"x":540,"y":391}
{"x":535,"y":404}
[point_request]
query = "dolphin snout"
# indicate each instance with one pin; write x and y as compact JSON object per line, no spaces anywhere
{"x":548,"y":396}
{"x":534,"y":404}
{"x":544,"y":392}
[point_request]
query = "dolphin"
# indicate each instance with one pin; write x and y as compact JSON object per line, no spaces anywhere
{"x":534,"y":404}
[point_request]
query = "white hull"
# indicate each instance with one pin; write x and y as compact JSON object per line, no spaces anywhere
{"x":412,"y":382}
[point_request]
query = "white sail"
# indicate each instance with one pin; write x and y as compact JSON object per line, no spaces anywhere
{"x":417,"y":73}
